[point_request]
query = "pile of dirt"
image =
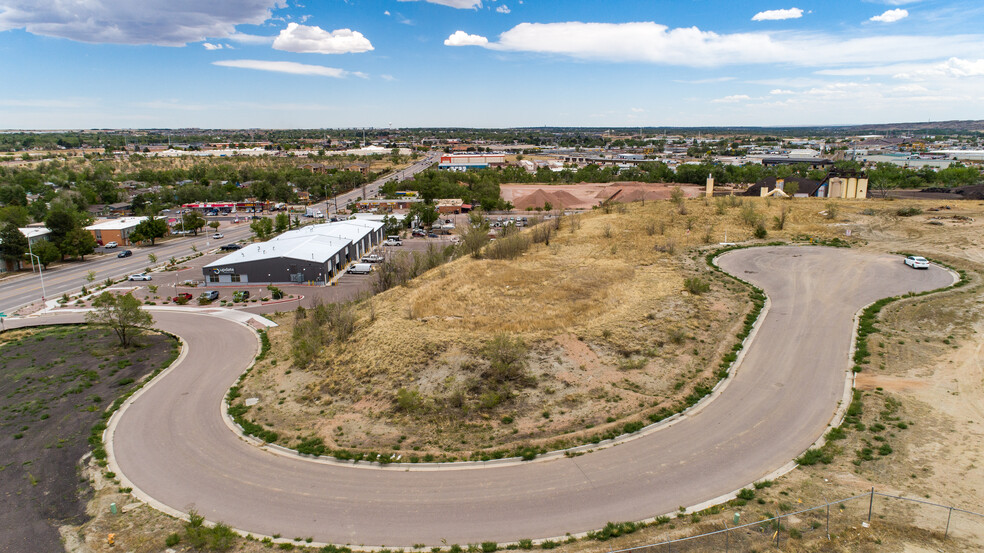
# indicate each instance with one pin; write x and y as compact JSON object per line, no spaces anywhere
{"x":560,"y":199}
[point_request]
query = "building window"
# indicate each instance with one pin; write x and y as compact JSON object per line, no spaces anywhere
{"x":213,"y":278}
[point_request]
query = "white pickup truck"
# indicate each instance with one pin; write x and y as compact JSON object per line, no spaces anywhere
{"x":372,"y":258}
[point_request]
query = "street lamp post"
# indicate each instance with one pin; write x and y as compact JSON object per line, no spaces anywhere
{"x":41,"y":274}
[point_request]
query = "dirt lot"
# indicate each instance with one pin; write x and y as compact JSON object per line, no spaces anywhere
{"x":587,"y":196}
{"x":54,"y":385}
{"x":609,"y":337}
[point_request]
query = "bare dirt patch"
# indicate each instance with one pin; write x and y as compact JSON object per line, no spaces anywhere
{"x":54,"y":385}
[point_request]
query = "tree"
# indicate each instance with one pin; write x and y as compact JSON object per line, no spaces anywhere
{"x":122,"y":313}
{"x":283,"y":221}
{"x":13,"y":244}
{"x":193,"y":221}
{"x":149,"y":229}
{"x":15,"y":214}
{"x":60,"y":222}
{"x":214,"y":225}
{"x":423,"y":212}
{"x":46,"y":252}
{"x":262,"y":227}
{"x":78,"y":243}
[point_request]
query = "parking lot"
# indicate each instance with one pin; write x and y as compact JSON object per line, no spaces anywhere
{"x":187,"y":278}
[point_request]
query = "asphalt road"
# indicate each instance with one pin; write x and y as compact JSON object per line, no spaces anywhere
{"x":174,"y":447}
{"x":20,"y":290}
{"x":372,"y":189}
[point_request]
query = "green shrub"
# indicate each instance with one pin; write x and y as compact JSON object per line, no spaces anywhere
{"x":908,"y":211}
{"x":696,"y":285}
{"x":172,"y":539}
{"x":816,"y":455}
{"x":489,"y":546}
{"x":746,"y":494}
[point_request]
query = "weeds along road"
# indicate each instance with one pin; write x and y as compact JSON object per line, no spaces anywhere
{"x":174,"y":447}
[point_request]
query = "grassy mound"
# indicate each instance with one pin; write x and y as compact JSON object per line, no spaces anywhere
{"x":612,"y":319}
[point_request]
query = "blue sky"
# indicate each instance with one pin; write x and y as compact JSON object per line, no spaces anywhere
{"x":495,"y":63}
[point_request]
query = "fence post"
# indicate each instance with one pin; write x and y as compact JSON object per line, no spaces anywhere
{"x":727,"y":537}
{"x":828,"y":519}
{"x":947,"y":532}
{"x":871,"y":503}
{"x":778,"y":528}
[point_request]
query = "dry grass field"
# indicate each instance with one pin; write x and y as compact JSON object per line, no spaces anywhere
{"x":607,"y":335}
{"x":926,"y":369}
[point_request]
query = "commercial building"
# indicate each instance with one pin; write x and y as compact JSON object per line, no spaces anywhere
{"x":451,"y":205}
{"x":464,"y":162}
{"x":385,"y":205}
{"x":114,"y":230}
{"x":313,"y":254}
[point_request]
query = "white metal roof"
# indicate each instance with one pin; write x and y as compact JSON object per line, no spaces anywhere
{"x":116,"y":224}
{"x":32,"y":232}
{"x":317,"y":243}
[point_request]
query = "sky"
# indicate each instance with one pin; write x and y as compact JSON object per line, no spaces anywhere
{"x":487,"y":63}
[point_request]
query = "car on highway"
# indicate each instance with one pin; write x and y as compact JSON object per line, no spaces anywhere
{"x":140,"y":276}
{"x":916,"y":262}
{"x":124,"y":253}
{"x":210,"y":295}
{"x":217,"y":235}
{"x":182,"y":297}
{"x":110,"y":245}
{"x":229,"y":247}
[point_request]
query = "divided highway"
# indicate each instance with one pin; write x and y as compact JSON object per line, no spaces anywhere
{"x":174,"y":447}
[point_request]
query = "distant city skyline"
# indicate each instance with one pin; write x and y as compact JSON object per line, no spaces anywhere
{"x":487,"y":63}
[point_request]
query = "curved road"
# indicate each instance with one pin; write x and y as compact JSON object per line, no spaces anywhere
{"x":174,"y":446}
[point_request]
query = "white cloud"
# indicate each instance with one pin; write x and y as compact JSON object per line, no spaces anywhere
{"x":779,"y":91}
{"x":461,"y":38}
{"x":778,"y":15}
{"x":891,"y":16}
{"x":160,"y":22}
{"x":386,"y":12}
{"x":387,"y":77}
{"x":460,"y":4}
{"x":289,"y":67}
{"x":209,"y":46}
{"x":654,"y":43}
{"x":251,"y":39}
{"x":503,"y":9}
{"x":954,"y":68}
{"x":637,"y":110}
{"x":732,"y":99}
{"x":315,"y":40}
{"x":705,"y":81}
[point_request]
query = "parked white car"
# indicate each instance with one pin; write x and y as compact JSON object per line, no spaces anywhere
{"x":392,"y":242}
{"x":916,"y":262}
{"x":140,"y":276}
{"x":110,"y":245}
{"x":372,"y":258}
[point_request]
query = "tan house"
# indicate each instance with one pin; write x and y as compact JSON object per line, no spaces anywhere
{"x":114,"y":230}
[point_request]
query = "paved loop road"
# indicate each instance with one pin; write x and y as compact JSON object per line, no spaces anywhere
{"x":172,"y":444}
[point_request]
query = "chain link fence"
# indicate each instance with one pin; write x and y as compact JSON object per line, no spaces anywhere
{"x":842,"y":517}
